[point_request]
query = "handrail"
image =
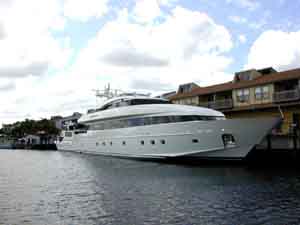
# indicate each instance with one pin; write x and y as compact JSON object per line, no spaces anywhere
{"x":218,"y":104}
{"x":288,"y":95}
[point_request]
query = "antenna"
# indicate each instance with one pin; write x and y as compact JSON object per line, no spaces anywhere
{"x":109,"y":93}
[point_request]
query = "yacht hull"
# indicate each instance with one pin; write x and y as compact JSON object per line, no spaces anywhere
{"x":194,"y":139}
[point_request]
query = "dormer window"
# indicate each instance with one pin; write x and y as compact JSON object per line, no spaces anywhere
{"x":185,"y":88}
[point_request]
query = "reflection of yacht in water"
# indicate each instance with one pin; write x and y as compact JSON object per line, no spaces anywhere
{"x":140,"y":126}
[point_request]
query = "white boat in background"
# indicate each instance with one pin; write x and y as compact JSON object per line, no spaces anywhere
{"x":138,"y":126}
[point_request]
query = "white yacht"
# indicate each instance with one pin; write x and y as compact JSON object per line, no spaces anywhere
{"x":153,"y":128}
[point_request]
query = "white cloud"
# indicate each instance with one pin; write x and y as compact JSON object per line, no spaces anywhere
{"x":146,"y":10}
{"x":277,"y":49}
{"x":247,"y":4}
{"x":2,"y":32}
{"x":36,"y":97}
{"x":242,"y":38}
{"x":84,"y":10}
{"x":238,"y":19}
{"x":187,"y":46}
{"x":6,"y":85}
{"x":28,"y":46}
{"x":153,"y":57}
{"x":29,"y":50}
{"x":31,"y":16}
{"x":168,"y":3}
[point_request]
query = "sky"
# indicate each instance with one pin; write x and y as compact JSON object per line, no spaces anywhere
{"x":55,"y":53}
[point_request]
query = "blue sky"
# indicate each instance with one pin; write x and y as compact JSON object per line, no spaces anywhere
{"x":55,"y":52}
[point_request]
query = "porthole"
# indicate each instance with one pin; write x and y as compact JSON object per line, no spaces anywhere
{"x":110,"y":143}
{"x":97,"y":143}
{"x":163,"y":141}
{"x":103,"y":143}
{"x":152,"y":142}
{"x":195,"y":140}
{"x":142,"y":142}
{"x":124,"y":143}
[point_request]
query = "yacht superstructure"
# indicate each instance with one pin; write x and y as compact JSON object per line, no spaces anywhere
{"x":145,"y":127}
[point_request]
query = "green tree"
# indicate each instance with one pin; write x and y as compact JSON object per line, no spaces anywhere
{"x":22,"y":128}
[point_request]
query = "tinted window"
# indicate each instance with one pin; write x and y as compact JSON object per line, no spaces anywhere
{"x":134,"y":122}
{"x":123,"y":102}
{"x":68,"y":134}
{"x":148,"y":101}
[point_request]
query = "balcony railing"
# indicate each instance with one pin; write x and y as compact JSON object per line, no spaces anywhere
{"x":218,"y":104}
{"x":283,"y":96}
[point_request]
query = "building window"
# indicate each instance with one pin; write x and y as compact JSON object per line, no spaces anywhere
{"x":266,"y":92}
{"x":68,"y":134}
{"x":243,"y":95}
{"x":258,"y":93}
{"x":261,"y":92}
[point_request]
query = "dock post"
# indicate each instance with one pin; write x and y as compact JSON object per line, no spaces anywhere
{"x":269,"y":142}
{"x":295,"y":138}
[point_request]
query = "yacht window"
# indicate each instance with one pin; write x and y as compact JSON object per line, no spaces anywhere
{"x":68,"y":134}
{"x":135,"y":122}
{"x":141,"y":121}
{"x":107,"y":125}
{"x":195,"y":140}
{"x":108,"y":106}
{"x":123,"y":103}
{"x":160,"y":119}
{"x":80,"y":132}
{"x":148,"y":101}
{"x":80,"y":126}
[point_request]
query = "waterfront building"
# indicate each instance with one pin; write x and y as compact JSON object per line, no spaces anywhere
{"x":31,"y":139}
{"x":251,"y":93}
{"x":167,"y":95}
{"x":64,"y":122}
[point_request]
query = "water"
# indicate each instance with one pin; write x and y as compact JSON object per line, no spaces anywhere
{"x":40,"y":187}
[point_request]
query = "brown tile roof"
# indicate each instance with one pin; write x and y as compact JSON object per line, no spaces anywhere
{"x":270,"y":78}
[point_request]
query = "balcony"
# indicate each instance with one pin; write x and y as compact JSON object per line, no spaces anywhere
{"x":284,"y":96}
{"x":218,"y":104}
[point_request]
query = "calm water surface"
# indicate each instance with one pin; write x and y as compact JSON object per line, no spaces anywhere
{"x":39,"y":187}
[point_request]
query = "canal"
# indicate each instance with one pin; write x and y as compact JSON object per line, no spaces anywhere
{"x":52,"y":187}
